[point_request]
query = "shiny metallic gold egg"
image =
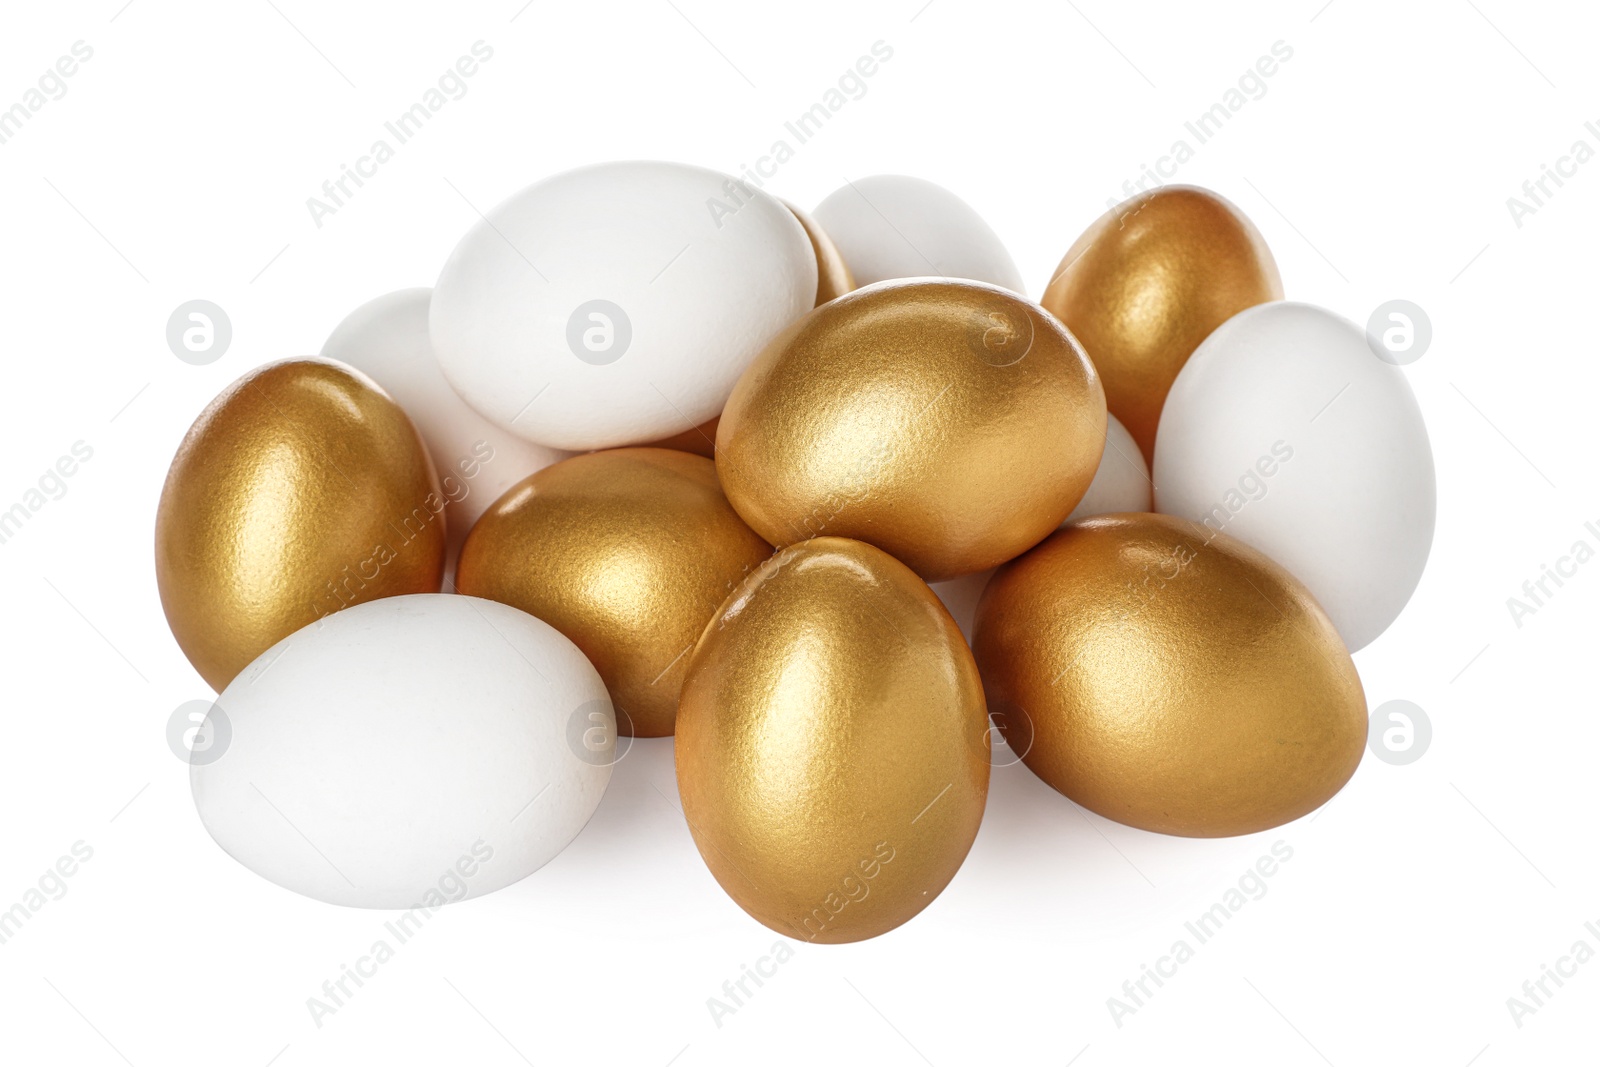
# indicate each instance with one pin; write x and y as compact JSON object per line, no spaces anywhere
{"x":301,"y":490}
{"x":1148,"y":282}
{"x":1169,"y":677}
{"x":833,"y":274}
{"x":701,"y":440}
{"x":832,"y":748}
{"x":951,"y":423}
{"x":627,"y":552}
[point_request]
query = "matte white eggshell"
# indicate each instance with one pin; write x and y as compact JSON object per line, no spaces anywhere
{"x":1121,"y":483}
{"x":373,"y":750}
{"x":387,"y":338}
{"x":1285,"y":430}
{"x":618,"y":302}
{"x":894,"y":226}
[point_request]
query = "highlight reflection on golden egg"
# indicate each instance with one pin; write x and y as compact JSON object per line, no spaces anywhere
{"x":627,"y":552}
{"x":301,"y":490}
{"x":951,"y":423}
{"x":1169,"y":677}
{"x":832,"y":747}
{"x":1148,"y":282}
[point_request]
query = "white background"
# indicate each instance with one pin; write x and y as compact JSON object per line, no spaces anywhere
{"x":1378,"y":165}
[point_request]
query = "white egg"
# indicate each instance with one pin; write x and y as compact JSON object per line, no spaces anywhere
{"x":894,"y":226}
{"x":618,"y":302}
{"x":387,"y":339}
{"x":1121,"y":483}
{"x":1285,"y":430}
{"x":407,"y":750}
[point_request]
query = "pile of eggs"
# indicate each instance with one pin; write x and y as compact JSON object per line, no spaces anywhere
{"x":816,"y":495}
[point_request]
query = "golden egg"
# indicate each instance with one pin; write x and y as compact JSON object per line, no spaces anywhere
{"x":951,"y":423}
{"x":832,"y":748}
{"x":833,"y":280}
{"x":833,"y":275}
{"x":301,"y":490}
{"x":1148,"y":282}
{"x":1169,"y":677}
{"x":701,"y":440}
{"x":628,"y":553}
